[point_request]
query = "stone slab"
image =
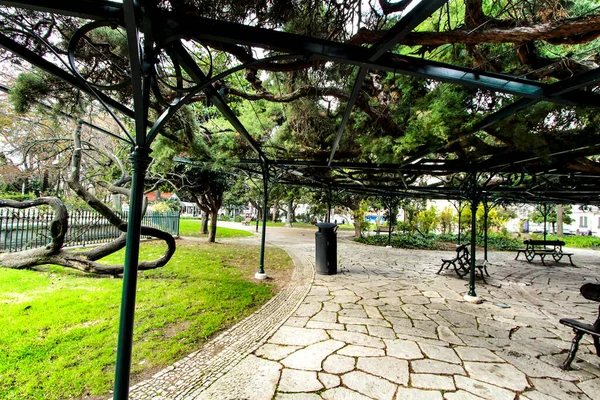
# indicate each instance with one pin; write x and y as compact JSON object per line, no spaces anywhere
{"x":242,"y":383}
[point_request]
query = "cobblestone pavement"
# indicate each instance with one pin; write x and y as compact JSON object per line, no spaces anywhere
{"x":388,"y":327}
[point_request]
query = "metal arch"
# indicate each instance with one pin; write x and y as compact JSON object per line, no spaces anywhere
{"x":66,"y":115}
{"x":197,"y":74}
{"x":40,"y":62}
{"x":172,"y":109}
{"x":71,"y":49}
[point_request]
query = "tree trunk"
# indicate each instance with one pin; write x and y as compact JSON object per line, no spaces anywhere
{"x":84,"y":261}
{"x":275,"y":210}
{"x":559,"y":220}
{"x":357,"y":217}
{"x":117,"y":204}
{"x":204,"y":223}
{"x":290,"y":213}
{"x":212,"y":234}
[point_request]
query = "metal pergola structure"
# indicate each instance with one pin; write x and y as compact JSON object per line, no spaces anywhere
{"x":151,"y":29}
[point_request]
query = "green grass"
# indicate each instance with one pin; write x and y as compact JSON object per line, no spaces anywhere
{"x":307,"y":225}
{"x":191,"y":227}
{"x":59,"y":327}
{"x":346,"y":227}
{"x":282,"y":224}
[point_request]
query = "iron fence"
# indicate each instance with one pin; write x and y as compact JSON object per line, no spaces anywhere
{"x":30,"y":228}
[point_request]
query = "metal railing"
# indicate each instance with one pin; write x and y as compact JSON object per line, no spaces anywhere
{"x":30,"y":228}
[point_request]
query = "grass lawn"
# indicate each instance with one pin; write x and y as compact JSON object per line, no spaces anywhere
{"x":191,"y":228}
{"x":307,"y":225}
{"x":59,"y":327}
{"x":282,"y":224}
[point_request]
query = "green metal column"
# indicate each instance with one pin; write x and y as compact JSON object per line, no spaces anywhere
{"x":328,"y":205}
{"x":460,"y":210}
{"x":545,"y":219}
{"x":140,"y":161}
{"x":486,"y":212}
{"x":474,"y":203}
{"x":261,"y":268}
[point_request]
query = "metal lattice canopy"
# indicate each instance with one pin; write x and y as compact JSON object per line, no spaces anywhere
{"x":426,"y":98}
{"x":558,"y":167}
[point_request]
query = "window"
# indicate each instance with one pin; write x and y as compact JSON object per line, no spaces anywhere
{"x":583,"y":222}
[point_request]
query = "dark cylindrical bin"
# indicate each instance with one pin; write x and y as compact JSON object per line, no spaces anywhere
{"x":326,"y":248}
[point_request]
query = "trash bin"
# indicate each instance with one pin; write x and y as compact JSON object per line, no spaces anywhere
{"x":326,"y":248}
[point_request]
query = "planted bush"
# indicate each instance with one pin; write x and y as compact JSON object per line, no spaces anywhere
{"x":432,"y":241}
{"x":404,"y":240}
{"x":581,"y":242}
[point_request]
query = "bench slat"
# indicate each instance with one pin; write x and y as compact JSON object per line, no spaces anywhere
{"x":581,"y":326}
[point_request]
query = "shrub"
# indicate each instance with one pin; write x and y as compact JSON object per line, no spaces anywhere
{"x":16,"y":196}
{"x":160,"y":206}
{"x":238,"y":218}
{"x":581,"y":242}
{"x":431,"y":241}
{"x":407,"y":241}
{"x":500,"y":242}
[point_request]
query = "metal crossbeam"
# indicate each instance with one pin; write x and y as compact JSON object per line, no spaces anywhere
{"x":580,"y":81}
{"x":228,"y":32}
{"x":45,"y":65}
{"x":407,"y":23}
{"x":362,"y":73}
{"x":88,"y":9}
{"x":190,"y":66}
{"x":326,"y":50}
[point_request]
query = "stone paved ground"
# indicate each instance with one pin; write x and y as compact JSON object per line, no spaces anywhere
{"x":388,"y":327}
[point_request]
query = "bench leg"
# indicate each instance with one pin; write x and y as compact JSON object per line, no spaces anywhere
{"x":442,"y":267}
{"x":445,"y":264}
{"x":543,"y":256}
{"x":571,"y":261}
{"x":482,"y":276}
{"x":597,"y":345}
{"x":486,"y":271}
{"x":574,"y":347}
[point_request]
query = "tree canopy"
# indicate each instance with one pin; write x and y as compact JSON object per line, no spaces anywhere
{"x":500,"y":86}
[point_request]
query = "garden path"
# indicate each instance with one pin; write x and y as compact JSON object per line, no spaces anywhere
{"x":388,"y":327}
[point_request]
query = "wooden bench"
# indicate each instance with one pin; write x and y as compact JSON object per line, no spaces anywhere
{"x":384,"y":229}
{"x":590,"y":291}
{"x":462,"y":263}
{"x":247,"y":221}
{"x":544,"y":248}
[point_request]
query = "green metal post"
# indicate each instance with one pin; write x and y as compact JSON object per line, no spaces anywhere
{"x":140,"y":161}
{"x":545,"y":218}
{"x":474,"y":202}
{"x":328,"y":205}
{"x":460,"y":210}
{"x":486,"y":212}
{"x":391,"y":206}
{"x":261,"y":268}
